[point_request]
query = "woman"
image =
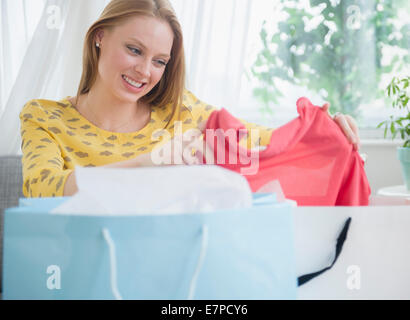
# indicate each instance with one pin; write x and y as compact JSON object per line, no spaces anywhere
{"x":131,"y":94}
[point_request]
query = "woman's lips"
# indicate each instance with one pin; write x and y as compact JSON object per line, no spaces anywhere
{"x":133,"y":85}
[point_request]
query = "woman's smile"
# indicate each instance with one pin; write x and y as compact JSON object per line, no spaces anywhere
{"x":133,"y":85}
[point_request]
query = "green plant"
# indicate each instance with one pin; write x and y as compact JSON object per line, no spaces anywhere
{"x":340,"y":58}
{"x":399,"y":91}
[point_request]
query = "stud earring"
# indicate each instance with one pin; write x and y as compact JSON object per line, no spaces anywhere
{"x":97,"y":44}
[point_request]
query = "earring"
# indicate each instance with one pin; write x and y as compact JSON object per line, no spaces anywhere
{"x":97,"y":44}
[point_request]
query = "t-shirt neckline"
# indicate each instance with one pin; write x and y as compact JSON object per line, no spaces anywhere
{"x":143,"y":130}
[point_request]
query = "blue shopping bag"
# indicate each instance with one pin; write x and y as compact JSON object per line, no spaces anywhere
{"x":236,"y":254}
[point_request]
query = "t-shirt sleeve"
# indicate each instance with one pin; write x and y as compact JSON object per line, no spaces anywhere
{"x":44,"y":174}
{"x":257,"y":135}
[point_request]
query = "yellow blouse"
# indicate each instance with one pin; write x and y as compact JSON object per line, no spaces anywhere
{"x":56,"y":138}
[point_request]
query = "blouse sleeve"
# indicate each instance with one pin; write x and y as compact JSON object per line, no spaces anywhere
{"x":257,"y":135}
{"x":44,"y":174}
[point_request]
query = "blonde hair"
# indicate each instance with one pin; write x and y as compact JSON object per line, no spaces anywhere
{"x":171,"y":86}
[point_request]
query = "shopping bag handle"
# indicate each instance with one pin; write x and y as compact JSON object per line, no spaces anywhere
{"x":113,"y":264}
{"x":204,"y":247}
{"x":339,"y":245}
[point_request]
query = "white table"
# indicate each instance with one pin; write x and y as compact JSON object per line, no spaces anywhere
{"x":395,"y":191}
{"x":376,"y":252}
{"x":391,"y":196}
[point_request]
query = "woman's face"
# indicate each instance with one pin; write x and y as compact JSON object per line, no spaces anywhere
{"x":133,"y":57}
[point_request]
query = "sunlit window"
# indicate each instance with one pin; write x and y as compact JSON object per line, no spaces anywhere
{"x":257,"y":57}
{"x":344,"y":52}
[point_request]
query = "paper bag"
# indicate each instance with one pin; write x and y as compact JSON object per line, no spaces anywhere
{"x":237,"y":254}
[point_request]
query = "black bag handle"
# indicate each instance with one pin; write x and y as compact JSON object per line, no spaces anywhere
{"x":339,"y":245}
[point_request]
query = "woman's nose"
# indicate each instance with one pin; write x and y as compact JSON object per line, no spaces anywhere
{"x":143,"y":67}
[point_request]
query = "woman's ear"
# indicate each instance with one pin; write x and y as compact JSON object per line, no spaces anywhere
{"x":99,"y":35}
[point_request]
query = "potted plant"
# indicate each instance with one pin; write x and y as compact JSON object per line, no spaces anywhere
{"x":399,"y":91}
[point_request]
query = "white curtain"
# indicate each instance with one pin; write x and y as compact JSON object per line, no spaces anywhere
{"x":216,"y":34}
{"x":18,"y":19}
{"x":51,"y":67}
{"x":221,"y":42}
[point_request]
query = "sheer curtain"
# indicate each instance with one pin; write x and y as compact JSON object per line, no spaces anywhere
{"x":51,"y":66}
{"x":216,"y":34}
{"x":216,"y":39}
{"x":222,"y":39}
{"x":14,"y":38}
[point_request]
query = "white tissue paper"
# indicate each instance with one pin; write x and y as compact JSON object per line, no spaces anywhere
{"x":156,"y":190}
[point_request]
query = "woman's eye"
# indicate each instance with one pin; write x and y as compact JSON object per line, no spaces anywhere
{"x":162,"y":63}
{"x":134,"y":50}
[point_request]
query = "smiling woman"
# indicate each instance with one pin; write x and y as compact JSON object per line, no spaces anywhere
{"x":134,"y":41}
{"x":130,"y":65}
{"x":131,"y":93}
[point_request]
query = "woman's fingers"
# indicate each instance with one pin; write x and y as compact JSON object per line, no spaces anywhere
{"x":349,"y":128}
{"x":326,"y":107}
{"x":353,"y":126}
{"x":192,"y":153}
{"x":202,"y":126}
{"x":202,"y":152}
{"x":347,"y":124}
{"x":196,"y":149}
{"x":183,"y":149}
{"x":190,"y":146}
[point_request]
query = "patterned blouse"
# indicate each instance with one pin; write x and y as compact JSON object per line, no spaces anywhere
{"x":56,"y":138}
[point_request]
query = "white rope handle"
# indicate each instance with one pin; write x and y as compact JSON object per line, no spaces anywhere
{"x":204,"y":247}
{"x":113,"y":264}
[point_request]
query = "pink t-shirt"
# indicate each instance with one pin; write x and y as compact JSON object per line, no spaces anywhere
{"x":310,"y":156}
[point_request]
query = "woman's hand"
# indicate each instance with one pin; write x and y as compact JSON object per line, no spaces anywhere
{"x":347,"y":124}
{"x":186,"y":149}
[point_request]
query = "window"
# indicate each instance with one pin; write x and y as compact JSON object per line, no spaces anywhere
{"x":257,"y":57}
{"x":345,"y":52}
{"x":341,"y":51}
